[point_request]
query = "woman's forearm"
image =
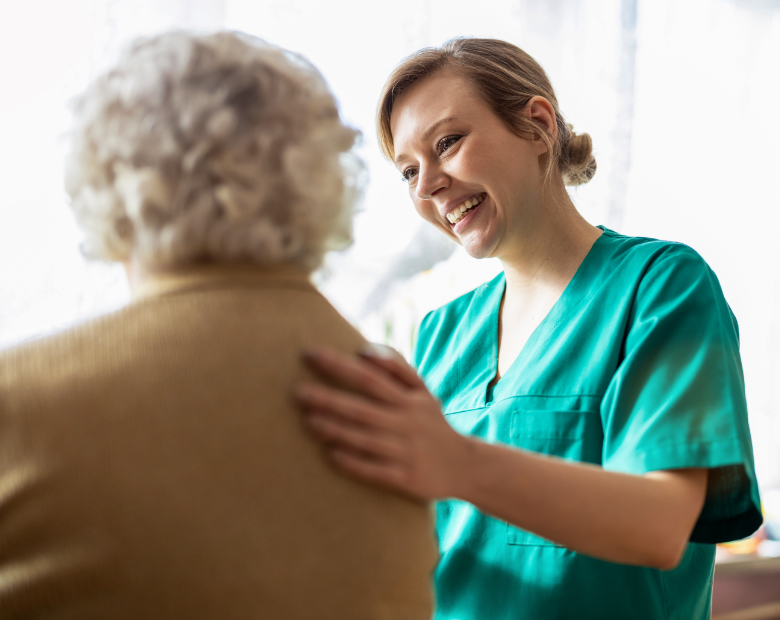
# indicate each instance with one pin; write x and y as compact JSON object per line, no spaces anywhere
{"x":644,"y":520}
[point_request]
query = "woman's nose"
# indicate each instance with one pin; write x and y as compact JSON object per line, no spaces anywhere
{"x":430,"y":180}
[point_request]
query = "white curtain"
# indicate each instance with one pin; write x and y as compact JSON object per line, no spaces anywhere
{"x":679,"y":97}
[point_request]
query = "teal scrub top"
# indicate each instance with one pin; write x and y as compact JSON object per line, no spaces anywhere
{"x":636,"y":368}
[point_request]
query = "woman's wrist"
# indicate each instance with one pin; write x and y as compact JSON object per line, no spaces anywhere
{"x":465,"y":469}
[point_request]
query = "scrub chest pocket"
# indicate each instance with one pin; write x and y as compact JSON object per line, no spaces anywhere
{"x":571,"y":435}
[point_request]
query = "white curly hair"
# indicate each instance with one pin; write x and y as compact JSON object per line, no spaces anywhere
{"x":216,"y":147}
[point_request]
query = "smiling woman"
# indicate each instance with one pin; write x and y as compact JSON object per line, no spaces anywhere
{"x":594,"y":442}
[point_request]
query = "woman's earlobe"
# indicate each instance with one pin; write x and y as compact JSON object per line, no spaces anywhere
{"x":540,"y":145}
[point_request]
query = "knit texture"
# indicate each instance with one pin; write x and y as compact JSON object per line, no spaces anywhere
{"x":153,"y":465}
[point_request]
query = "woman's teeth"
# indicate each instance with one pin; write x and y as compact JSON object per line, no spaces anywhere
{"x":459,"y":212}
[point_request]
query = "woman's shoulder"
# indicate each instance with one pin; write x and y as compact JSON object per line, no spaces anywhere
{"x":666,"y":274}
{"x":644,"y":257}
{"x":638,"y":248}
{"x":458,"y":307}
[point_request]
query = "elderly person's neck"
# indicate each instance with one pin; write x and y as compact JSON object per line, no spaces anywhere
{"x":136,"y":274}
{"x":148,"y":281}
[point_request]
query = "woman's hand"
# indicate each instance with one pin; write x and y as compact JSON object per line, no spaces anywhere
{"x":387,"y":429}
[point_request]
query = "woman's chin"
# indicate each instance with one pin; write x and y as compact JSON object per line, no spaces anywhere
{"x":479,"y":237}
{"x":477,"y":248}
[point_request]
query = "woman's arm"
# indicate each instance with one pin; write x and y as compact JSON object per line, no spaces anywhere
{"x":644,"y":520}
{"x":389,"y":430}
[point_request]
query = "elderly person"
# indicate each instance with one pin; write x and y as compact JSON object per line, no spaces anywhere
{"x":152,"y":464}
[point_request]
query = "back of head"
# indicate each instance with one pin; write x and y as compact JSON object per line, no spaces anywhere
{"x":216,"y":147}
{"x":506,"y":78}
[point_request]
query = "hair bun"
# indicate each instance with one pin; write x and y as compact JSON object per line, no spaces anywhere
{"x":578,"y":165}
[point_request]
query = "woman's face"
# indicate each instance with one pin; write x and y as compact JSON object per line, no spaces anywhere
{"x":468,"y":174}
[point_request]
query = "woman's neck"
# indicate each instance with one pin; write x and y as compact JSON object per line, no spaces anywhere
{"x":549,"y":250}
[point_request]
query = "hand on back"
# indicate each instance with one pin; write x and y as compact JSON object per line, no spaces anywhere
{"x":381,"y":424}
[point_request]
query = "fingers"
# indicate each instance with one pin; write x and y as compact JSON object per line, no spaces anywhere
{"x":355,"y":373}
{"x":392,"y":363}
{"x":377,"y":434}
{"x":360,"y":439}
{"x":369,"y":470}
{"x":343,"y":404}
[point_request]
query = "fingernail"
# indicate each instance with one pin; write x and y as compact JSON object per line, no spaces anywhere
{"x":374,"y":349}
{"x":303,"y":392}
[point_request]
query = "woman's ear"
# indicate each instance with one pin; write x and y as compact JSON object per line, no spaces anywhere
{"x":540,"y":110}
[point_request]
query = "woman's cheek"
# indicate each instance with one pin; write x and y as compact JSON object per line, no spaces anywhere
{"x":426,"y":210}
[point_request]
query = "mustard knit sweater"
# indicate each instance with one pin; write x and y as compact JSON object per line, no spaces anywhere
{"x":153,"y":465}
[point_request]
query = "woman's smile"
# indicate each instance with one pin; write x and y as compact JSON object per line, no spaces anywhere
{"x":465,"y":217}
{"x":461,"y":209}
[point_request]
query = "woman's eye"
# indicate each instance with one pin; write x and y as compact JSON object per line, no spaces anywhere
{"x":408,"y":174}
{"x":445,"y":143}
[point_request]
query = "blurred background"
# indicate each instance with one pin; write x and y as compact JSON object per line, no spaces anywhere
{"x":680,"y":96}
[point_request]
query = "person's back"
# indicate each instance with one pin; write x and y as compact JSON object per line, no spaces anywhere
{"x":152,"y":465}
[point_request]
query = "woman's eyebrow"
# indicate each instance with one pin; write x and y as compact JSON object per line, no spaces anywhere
{"x":427,"y":134}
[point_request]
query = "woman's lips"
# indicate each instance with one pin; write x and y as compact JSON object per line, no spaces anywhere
{"x":463,"y":223}
{"x":459,"y":212}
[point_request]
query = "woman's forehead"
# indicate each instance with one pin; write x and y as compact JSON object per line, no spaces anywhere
{"x":445,"y":95}
{"x":441,"y":88}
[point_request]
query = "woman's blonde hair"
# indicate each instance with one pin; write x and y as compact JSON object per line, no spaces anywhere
{"x":211,"y":147}
{"x":506,"y":78}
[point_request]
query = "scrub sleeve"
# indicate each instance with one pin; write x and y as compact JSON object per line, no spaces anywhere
{"x":678,"y":397}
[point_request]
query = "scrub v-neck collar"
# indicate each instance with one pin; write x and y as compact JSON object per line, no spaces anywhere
{"x":575,"y":291}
